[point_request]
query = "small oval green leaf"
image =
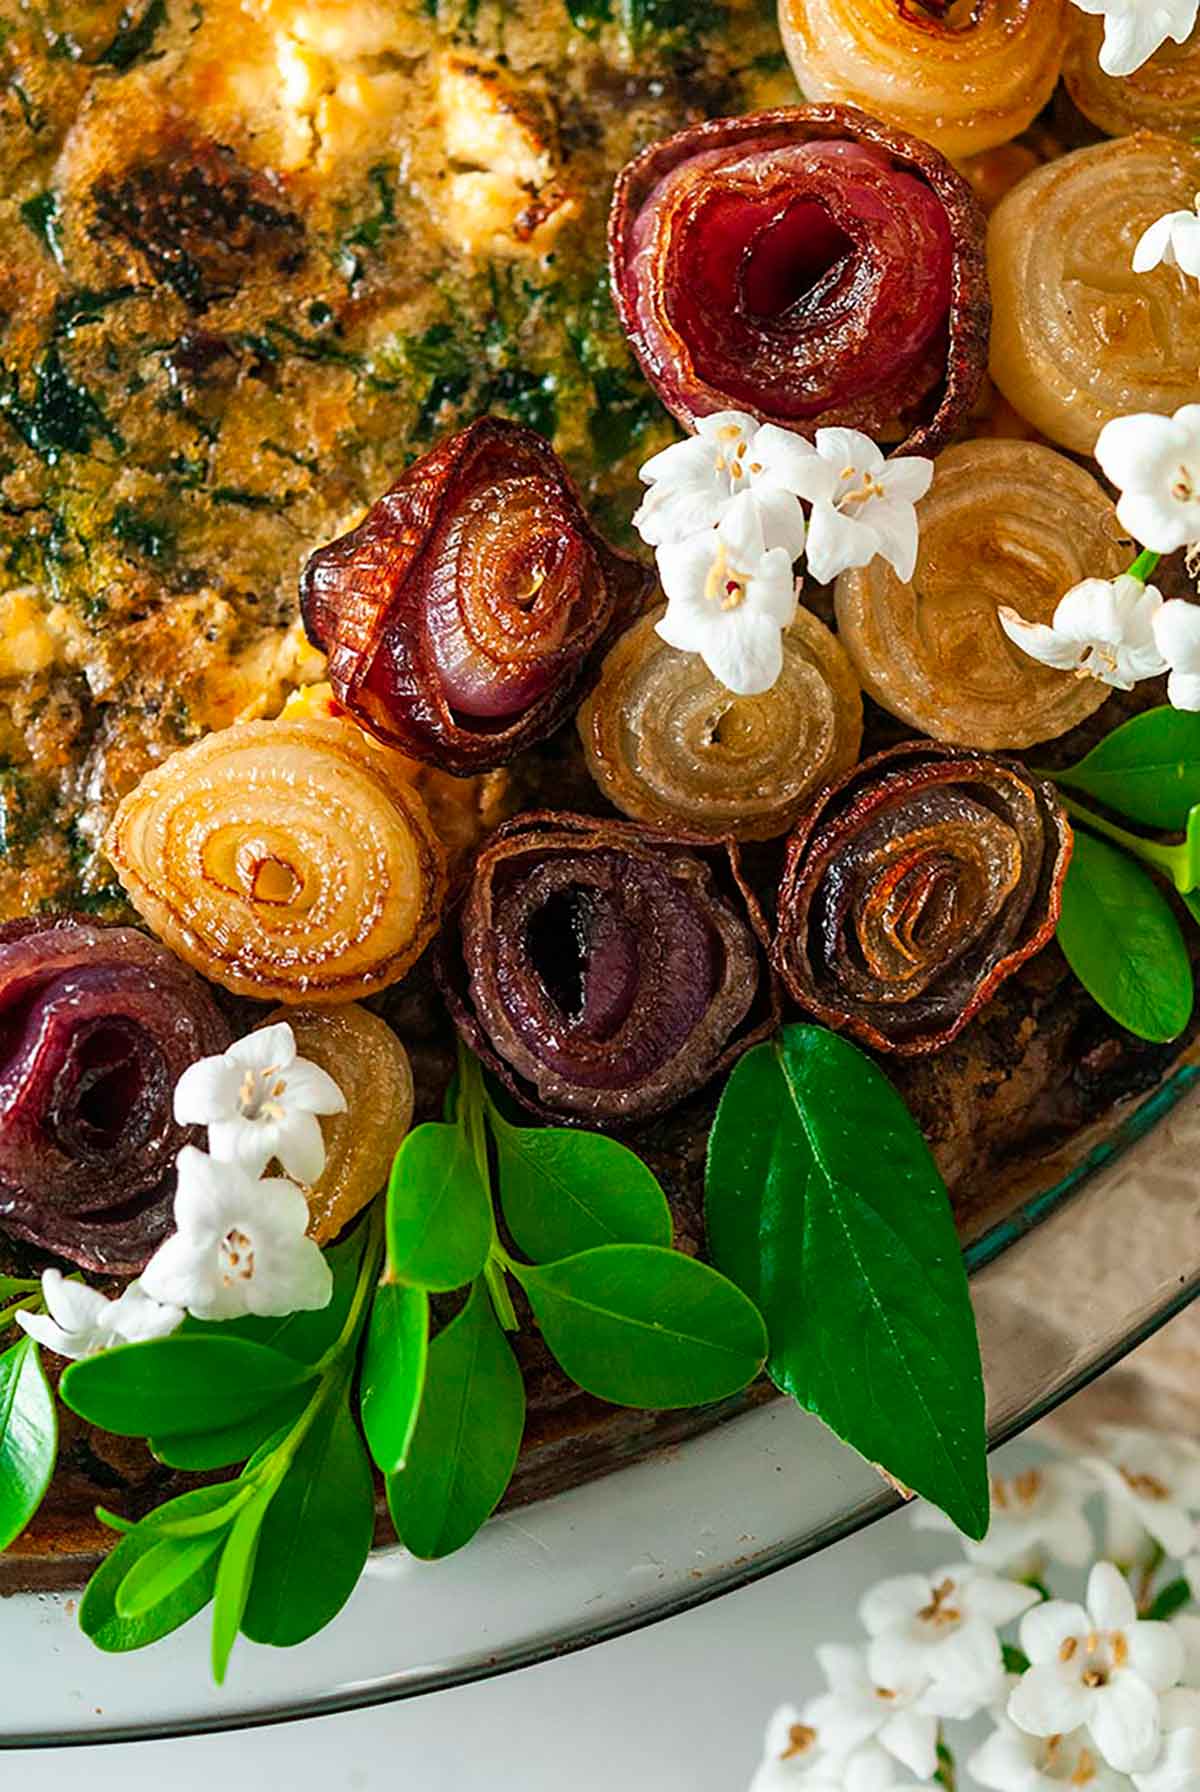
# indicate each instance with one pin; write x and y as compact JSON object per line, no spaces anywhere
{"x":98,"y":1615}
{"x":645,"y":1327}
{"x":229,"y":1444}
{"x":1148,"y":769}
{"x":316,"y":1534}
{"x":1123,"y":942}
{"x":467,"y":1437}
{"x":178,"y":1384}
{"x":163,"y":1570}
{"x":393,"y":1373}
{"x":28,"y":1438}
{"x":824,"y":1203}
{"x":439,"y":1213}
{"x":564,"y":1192}
{"x":232,"y":1585}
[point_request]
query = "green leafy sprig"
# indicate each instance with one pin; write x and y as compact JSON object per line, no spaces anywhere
{"x":629,"y":1319}
{"x":824,"y":1203}
{"x":1118,"y":929}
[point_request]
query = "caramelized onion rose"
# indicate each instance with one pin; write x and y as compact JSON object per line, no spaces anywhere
{"x":668,"y":744}
{"x":1004,"y":522}
{"x":464,"y":612}
{"x":368,"y":1062}
{"x":1162,"y":95}
{"x":914,"y":888}
{"x":605,"y":971}
{"x":1078,"y":337}
{"x":809,"y":265}
{"x":283,"y":860}
{"x":963,"y":80}
{"x":99,"y":1025}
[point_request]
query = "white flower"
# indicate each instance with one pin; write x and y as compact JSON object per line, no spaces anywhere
{"x":1100,"y":1668}
{"x":1102,"y":628}
{"x":693,"y":483}
{"x":942,"y":1628}
{"x":858,"y":1709}
{"x":80,"y":1321}
{"x":1135,"y":29}
{"x":1177,"y":637}
{"x":1177,"y":1768}
{"x":1012,"y":1761}
{"x":1035,"y":1513}
{"x":241,"y":1245}
{"x":862,"y":504}
{"x":260,"y":1101}
{"x":729,"y":597}
{"x":1155,"y":463}
{"x":793,"y":1756}
{"x":1172,"y":241}
{"x":1151,"y":1483}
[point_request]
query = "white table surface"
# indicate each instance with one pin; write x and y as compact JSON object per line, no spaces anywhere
{"x":676,"y":1708}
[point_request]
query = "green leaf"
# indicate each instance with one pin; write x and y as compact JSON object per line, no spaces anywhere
{"x":178,"y":1384}
{"x":644,"y":1327}
{"x":301,"y":1336}
{"x":167,"y":1566}
{"x":1147,"y":770}
{"x":232,"y":1586}
{"x":1015,"y":1660}
{"x":229,"y":1444}
{"x":98,"y":1615}
{"x":468,"y":1434}
{"x":316,"y":1534}
{"x":564,"y":1192}
{"x":28,"y":1438}
{"x":1170,"y":1599}
{"x":439,"y":1213}
{"x":1123,"y":942}
{"x":824,"y":1203}
{"x":16,"y":1286}
{"x":393,"y":1372}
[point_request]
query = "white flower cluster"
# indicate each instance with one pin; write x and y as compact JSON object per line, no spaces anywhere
{"x":724,"y":516}
{"x":1135,"y":29}
{"x":1120,"y":630}
{"x":241,"y":1241}
{"x":1093,"y":1695}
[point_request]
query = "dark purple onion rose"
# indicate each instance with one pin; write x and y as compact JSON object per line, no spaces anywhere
{"x":603,"y":970}
{"x":809,"y":265}
{"x":97,"y":1024}
{"x":463,"y":615}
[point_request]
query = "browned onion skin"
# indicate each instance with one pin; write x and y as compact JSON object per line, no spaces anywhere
{"x":464,"y":613}
{"x":99,"y":1024}
{"x":914,"y":887}
{"x":848,"y":350}
{"x":604,"y":971}
{"x":1162,"y":95}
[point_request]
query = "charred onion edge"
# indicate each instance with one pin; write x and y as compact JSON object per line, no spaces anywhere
{"x":809,"y":834}
{"x":970,"y":300}
{"x":393,"y":544}
{"x":721,"y":854}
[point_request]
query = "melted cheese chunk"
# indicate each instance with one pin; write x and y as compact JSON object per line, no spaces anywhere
{"x":504,"y":192}
{"x":28,"y":644}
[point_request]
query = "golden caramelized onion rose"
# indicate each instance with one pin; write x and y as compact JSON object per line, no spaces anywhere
{"x":463,"y":615}
{"x":1078,"y":338}
{"x":914,"y":888}
{"x":1004,"y":522}
{"x":282,"y":860}
{"x":668,"y":744}
{"x":1162,"y":95}
{"x":963,"y":78}
{"x":809,"y":265}
{"x":371,"y":1067}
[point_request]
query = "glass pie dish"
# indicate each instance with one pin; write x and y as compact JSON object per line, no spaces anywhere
{"x":1066,"y":1280}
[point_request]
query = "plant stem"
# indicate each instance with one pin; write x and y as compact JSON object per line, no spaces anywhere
{"x":497,"y":1287}
{"x":1145,"y":565}
{"x":1167,"y":859}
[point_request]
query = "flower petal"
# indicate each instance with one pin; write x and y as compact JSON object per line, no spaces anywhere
{"x":208,"y":1090}
{"x":782,"y":519}
{"x":300,"y":1147}
{"x":836,"y":543}
{"x":312,"y":1089}
{"x":745,"y":652}
{"x":1109,"y":1598}
{"x":894,"y":1602}
{"x":911,"y":1737}
{"x":1039,"y":641}
{"x":42,"y":1329}
{"x":270,"y":1048}
{"x":1044,"y":1703}
{"x":1046,"y":1627}
{"x":1124,"y":1722}
{"x":1156,"y":1653}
